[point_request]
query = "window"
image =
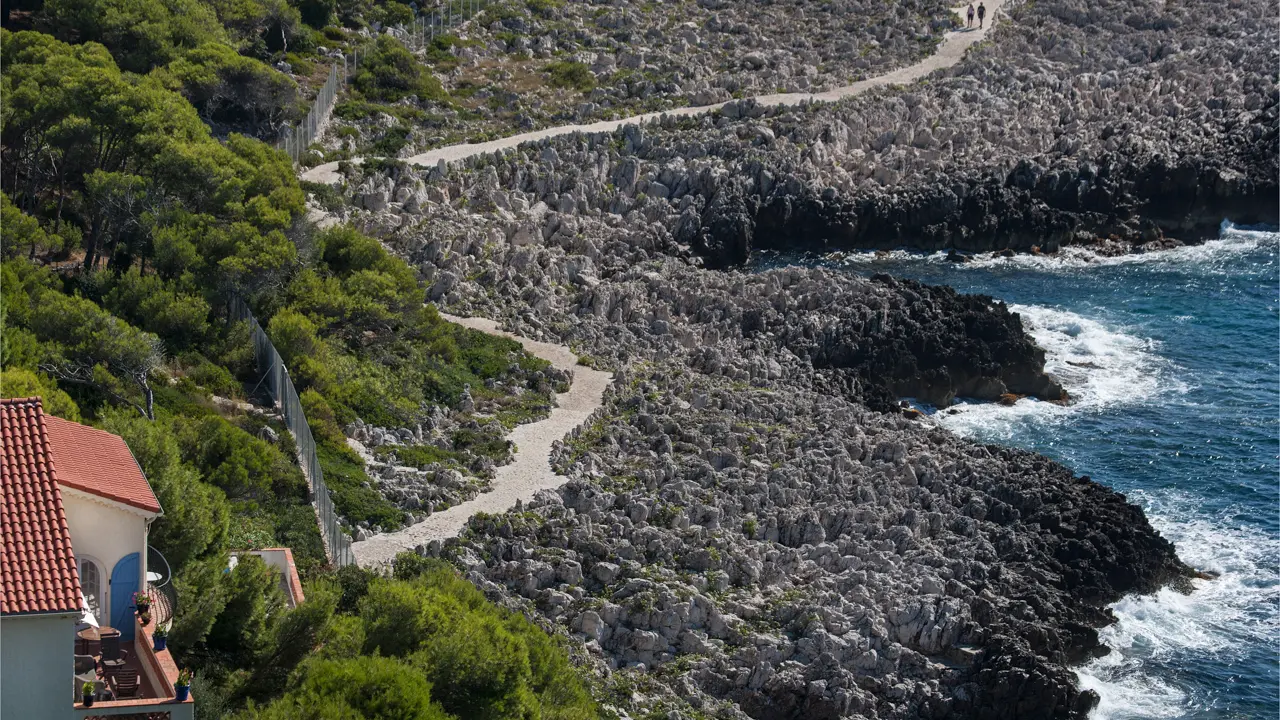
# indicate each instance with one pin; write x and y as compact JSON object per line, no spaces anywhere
{"x":91,"y":584}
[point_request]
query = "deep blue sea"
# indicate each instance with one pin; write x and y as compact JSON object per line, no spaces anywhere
{"x":1180,"y":411}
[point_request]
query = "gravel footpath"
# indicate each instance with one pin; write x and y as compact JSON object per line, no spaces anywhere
{"x":527,"y":474}
{"x":949,"y":52}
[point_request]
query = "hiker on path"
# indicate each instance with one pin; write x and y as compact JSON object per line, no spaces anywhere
{"x":970,"y":23}
{"x":982,"y":12}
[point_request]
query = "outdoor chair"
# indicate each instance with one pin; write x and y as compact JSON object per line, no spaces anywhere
{"x":85,"y":663}
{"x":113,"y":656}
{"x":125,"y":683}
{"x":111,"y":649}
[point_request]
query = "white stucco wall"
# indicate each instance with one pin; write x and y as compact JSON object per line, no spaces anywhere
{"x":105,"y":533}
{"x":37,"y":666}
{"x":281,"y":561}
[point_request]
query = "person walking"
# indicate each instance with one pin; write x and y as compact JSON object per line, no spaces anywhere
{"x":970,"y":23}
{"x":982,"y":12}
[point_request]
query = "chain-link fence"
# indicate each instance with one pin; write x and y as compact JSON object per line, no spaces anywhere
{"x":425,"y":28}
{"x":296,"y":140}
{"x":275,"y":376}
{"x":441,"y":20}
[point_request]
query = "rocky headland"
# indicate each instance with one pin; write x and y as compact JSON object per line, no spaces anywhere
{"x":1143,"y":125}
{"x":752,"y":525}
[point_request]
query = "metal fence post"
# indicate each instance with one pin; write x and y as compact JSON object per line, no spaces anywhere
{"x":283,"y":393}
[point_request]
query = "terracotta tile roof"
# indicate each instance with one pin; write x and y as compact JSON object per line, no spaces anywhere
{"x":98,"y":462}
{"x":39,"y":569}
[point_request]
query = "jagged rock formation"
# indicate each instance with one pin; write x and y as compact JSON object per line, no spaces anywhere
{"x":627,"y":57}
{"x":1144,"y":123}
{"x":753,"y":527}
{"x":798,"y":556}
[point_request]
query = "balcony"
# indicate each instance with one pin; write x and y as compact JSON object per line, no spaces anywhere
{"x":157,"y":674}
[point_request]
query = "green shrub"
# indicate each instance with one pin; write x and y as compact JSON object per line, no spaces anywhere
{"x":140,"y":34}
{"x":350,"y":489}
{"x":239,"y":463}
{"x":209,"y":375}
{"x":253,"y":603}
{"x":399,"y":617}
{"x":569,"y":74}
{"x":543,"y":7}
{"x":230,"y":89}
{"x":371,"y":688}
{"x":353,"y":585}
{"x":294,"y":336}
{"x":19,"y":383}
{"x":390,"y":73}
{"x":418,"y":456}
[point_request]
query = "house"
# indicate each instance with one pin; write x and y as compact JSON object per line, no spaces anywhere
{"x":75,"y":513}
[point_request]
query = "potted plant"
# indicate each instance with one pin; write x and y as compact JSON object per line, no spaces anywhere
{"x":87,"y":691}
{"x":143,"y":601}
{"x":182,"y":688}
{"x":145,"y":616}
{"x":160,"y":638}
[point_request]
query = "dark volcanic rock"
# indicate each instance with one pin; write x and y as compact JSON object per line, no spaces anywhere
{"x":725,"y":237}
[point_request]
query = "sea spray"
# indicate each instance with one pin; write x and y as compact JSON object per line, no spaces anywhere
{"x":1170,"y":358}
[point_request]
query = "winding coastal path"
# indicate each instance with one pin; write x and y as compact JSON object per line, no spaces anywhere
{"x":523,"y":477}
{"x":949,"y":52}
{"x":531,"y":469}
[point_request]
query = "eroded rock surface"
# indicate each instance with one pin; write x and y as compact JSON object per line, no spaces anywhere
{"x":796,"y":555}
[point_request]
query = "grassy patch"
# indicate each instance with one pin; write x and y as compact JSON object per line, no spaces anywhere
{"x":477,"y":443}
{"x":352,"y":491}
{"x":419,"y":456}
{"x":568,"y":74}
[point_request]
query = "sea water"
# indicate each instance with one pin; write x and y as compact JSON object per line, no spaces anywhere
{"x":1171,"y":361}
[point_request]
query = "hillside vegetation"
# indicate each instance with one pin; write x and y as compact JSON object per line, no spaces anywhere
{"x":130,"y":216}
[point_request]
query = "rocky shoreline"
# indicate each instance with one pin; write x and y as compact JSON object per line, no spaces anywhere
{"x":1187,"y":138}
{"x":793,"y":554}
{"x":753,"y":526}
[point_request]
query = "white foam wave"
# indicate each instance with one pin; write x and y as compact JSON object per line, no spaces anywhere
{"x":1098,"y":366}
{"x":1211,"y":256}
{"x":1221,"y":617}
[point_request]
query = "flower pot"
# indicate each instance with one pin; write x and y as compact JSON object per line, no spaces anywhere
{"x":160,"y":643}
{"x":88,"y":699}
{"x":181,"y":692}
{"x":145,"y":618}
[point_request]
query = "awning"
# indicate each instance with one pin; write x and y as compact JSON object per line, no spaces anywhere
{"x":86,"y":615}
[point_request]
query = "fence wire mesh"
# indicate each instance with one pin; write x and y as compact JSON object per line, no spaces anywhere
{"x":296,"y":140}
{"x":425,"y":28}
{"x":275,"y":377}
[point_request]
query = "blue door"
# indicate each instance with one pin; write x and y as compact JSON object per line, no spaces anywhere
{"x":124,"y":583}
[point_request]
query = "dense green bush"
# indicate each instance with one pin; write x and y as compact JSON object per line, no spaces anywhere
{"x":569,"y":74}
{"x":390,"y":73}
{"x":239,"y":463}
{"x":430,"y":644}
{"x":252,"y":600}
{"x":419,"y":456}
{"x":141,"y":34}
{"x":366,"y":687}
{"x":231,"y":90}
{"x":21,"y":383}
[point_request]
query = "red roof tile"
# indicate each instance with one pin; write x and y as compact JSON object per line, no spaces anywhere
{"x":39,"y":569}
{"x":98,"y":462}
